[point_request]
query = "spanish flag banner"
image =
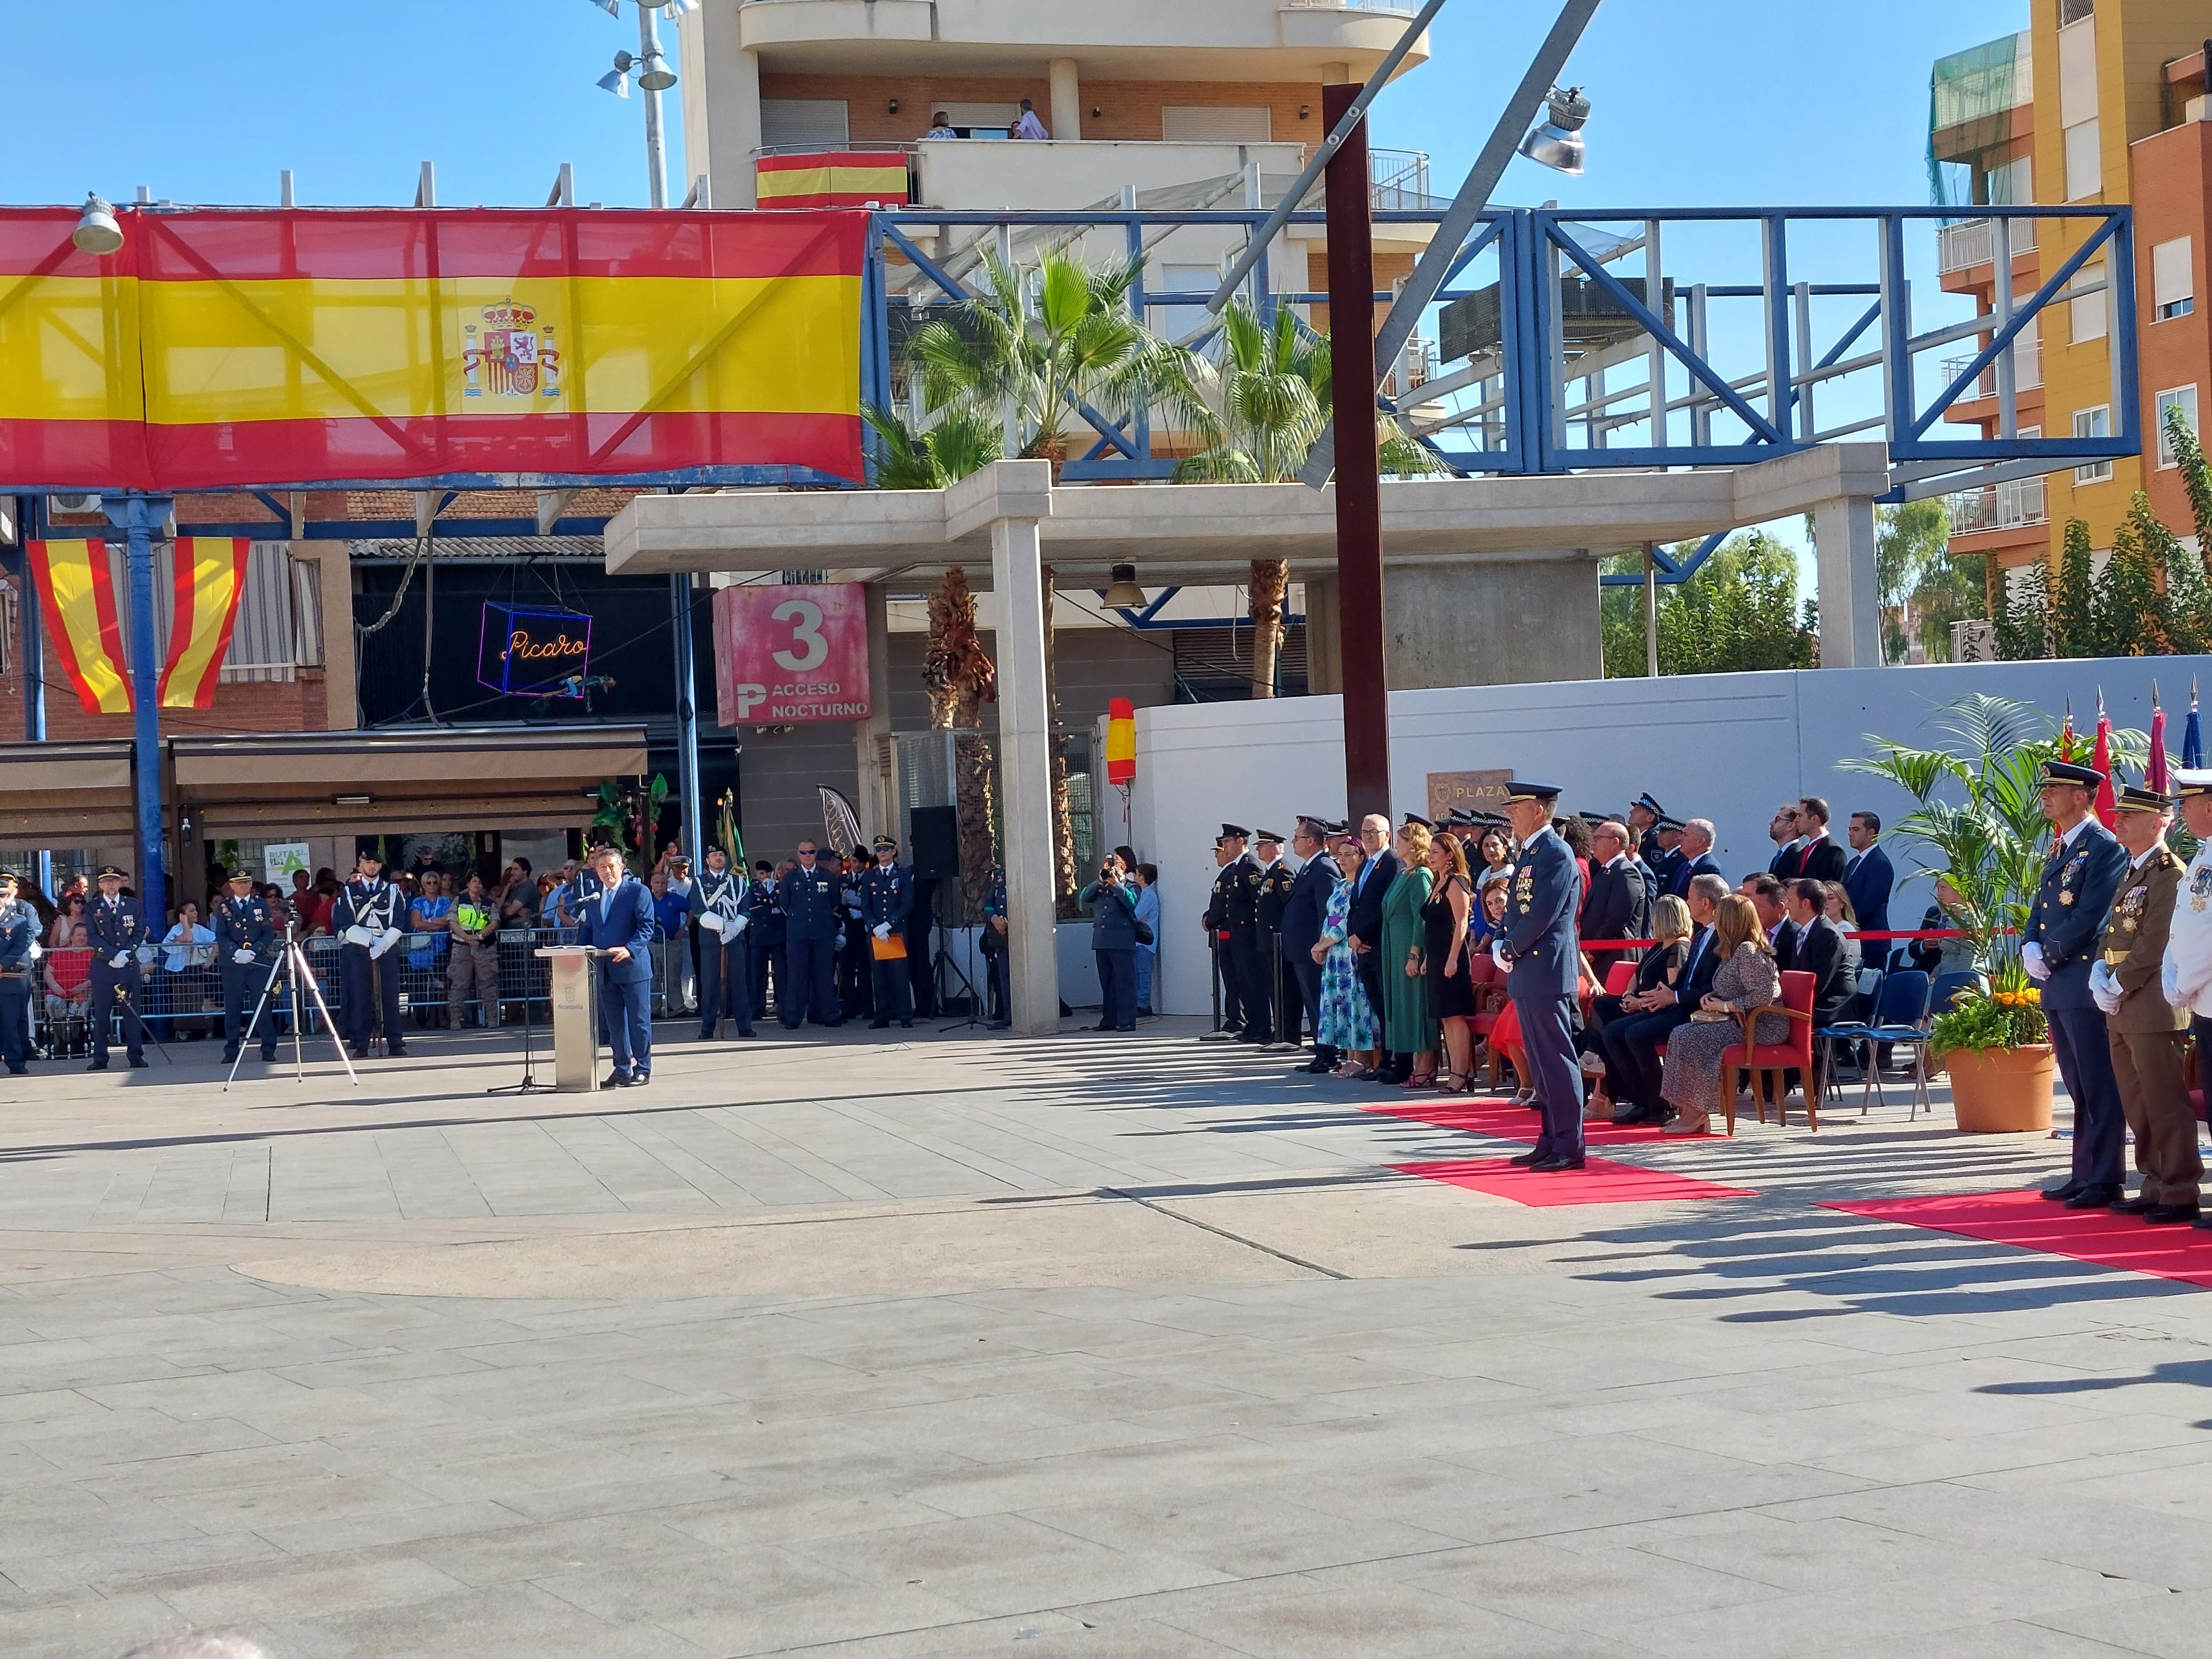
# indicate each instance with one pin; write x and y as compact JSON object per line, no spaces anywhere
{"x":1121,"y":741}
{"x":833,"y":178}
{"x":209,"y":577}
{"x":76,"y":591}
{"x":222,"y":348}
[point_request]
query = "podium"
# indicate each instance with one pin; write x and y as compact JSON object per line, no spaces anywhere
{"x":575,"y":996}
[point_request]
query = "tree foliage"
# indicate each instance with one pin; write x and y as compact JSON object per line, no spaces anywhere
{"x":1739,"y":612}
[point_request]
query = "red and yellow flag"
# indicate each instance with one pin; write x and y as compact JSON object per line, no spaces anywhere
{"x":833,"y":179}
{"x":209,"y":577}
{"x":1121,"y":741}
{"x":77,"y":592}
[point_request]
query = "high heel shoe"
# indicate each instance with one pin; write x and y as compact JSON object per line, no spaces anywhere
{"x":1419,"y":1080}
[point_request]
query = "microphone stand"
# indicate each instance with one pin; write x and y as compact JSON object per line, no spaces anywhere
{"x":529,"y":1084}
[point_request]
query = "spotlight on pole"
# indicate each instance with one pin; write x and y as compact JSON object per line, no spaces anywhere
{"x":612,"y":7}
{"x":618,"y":80}
{"x":1124,"y":594}
{"x":96,"y":231}
{"x":1557,"y":143}
{"x":653,"y":74}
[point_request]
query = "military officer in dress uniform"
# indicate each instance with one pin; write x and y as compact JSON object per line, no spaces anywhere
{"x":1643,"y":816}
{"x":1228,"y":856}
{"x":19,"y":954}
{"x":2057,"y":948}
{"x":1542,"y":956}
{"x":2147,"y":1032}
{"x":1255,"y":984}
{"x":1666,"y":857}
{"x":886,"y":901}
{"x":2185,"y":977}
{"x":245,"y":943}
{"x":812,"y":897}
{"x":117,"y":932}
{"x":721,"y":903}
{"x":366,"y":917}
{"x":1272,"y":890}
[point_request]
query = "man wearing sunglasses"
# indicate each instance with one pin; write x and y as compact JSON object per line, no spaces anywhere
{"x":812,"y":899}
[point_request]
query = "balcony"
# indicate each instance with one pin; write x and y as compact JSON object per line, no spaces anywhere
{"x":2027,"y":368}
{"x":2012,"y":505}
{"x":967,"y":175}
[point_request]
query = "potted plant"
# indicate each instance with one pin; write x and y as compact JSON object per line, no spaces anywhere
{"x":1978,"y":825}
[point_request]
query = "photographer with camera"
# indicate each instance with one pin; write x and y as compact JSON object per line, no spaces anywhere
{"x":1114,"y":940}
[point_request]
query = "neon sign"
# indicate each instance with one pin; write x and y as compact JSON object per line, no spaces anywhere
{"x":534,"y":651}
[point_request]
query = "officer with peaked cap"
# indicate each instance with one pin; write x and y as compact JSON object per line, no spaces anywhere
{"x":246,"y":942}
{"x":18,"y":954}
{"x":1643,"y":816}
{"x":367,"y":919}
{"x":2058,"y":947}
{"x":1539,"y":950}
{"x":1228,"y":857}
{"x":886,"y":901}
{"x":1256,"y":985}
{"x":2147,"y":1032}
{"x":117,"y":932}
{"x":2185,"y":976}
{"x":1274,"y":882}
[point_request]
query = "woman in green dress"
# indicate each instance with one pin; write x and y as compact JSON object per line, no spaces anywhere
{"x":1408,"y":1027}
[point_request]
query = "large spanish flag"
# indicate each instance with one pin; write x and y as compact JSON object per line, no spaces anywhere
{"x":76,"y":591}
{"x":833,"y":179}
{"x":209,"y":576}
{"x":228,"y":349}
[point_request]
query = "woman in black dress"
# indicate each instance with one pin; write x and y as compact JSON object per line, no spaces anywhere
{"x":1451,"y":984}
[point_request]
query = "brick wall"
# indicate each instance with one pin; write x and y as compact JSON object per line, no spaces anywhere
{"x":1127,"y":109}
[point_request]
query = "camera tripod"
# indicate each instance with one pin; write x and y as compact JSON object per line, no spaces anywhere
{"x":292,"y":966}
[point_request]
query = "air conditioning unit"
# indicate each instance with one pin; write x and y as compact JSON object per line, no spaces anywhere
{"x":80,"y":505}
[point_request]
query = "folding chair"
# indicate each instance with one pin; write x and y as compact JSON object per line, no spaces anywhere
{"x":1899,"y":1016}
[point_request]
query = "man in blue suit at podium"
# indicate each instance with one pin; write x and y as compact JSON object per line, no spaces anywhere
{"x":618,"y":919}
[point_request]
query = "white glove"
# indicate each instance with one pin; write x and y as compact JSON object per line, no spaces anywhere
{"x":118,"y":958}
{"x":883,"y":930}
{"x":392,"y":937}
{"x":2031,"y":957}
{"x":739,"y":925}
{"x":243,"y":953}
{"x":37,"y":950}
{"x":2103,"y":990}
{"x":711,"y":922}
{"x":358,"y":934}
{"x":1498,"y":956}
{"x":2169,"y":982}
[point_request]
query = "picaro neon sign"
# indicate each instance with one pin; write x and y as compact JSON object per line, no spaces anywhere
{"x":526,"y":652}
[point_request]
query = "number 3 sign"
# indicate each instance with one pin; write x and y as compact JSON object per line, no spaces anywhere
{"x":785,"y":654}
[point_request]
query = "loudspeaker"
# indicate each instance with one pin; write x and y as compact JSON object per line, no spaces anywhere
{"x":936,"y":831}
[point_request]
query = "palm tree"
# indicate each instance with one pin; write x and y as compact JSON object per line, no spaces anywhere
{"x":1259,"y":411}
{"x":961,"y":442}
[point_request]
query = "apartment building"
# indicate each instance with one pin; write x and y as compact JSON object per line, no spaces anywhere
{"x":2097,"y":102}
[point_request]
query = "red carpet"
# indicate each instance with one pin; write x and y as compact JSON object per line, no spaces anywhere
{"x":1602,"y":1182}
{"x":2032,"y":1224}
{"x":1501,"y":1121}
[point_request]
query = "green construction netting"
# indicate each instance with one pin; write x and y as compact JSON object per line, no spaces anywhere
{"x":1971,"y":98}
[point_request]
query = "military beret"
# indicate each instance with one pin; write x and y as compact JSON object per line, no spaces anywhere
{"x":2058,"y":771}
{"x":2133,"y":799}
{"x":1522,"y":789}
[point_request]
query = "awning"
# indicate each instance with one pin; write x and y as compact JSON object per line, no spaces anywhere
{"x":66,"y":794}
{"x":481,"y":777}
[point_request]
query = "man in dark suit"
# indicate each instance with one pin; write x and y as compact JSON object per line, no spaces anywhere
{"x":2059,"y":948}
{"x":1636,"y":1042}
{"x":1540,"y":950}
{"x":1620,"y":902}
{"x":1781,"y":830}
{"x":1302,"y":914}
{"x":1765,"y":893}
{"x":1817,"y":947}
{"x":1697,"y":859}
{"x":1365,"y":919}
{"x":1868,"y":878}
{"x":618,"y":920}
{"x":1821,"y":859}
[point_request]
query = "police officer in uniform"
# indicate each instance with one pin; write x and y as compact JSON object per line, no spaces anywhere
{"x":116,"y":932}
{"x":367,"y":919}
{"x":997,"y":952}
{"x":1541,"y":955}
{"x":721,"y":904}
{"x":1271,"y":888}
{"x":764,"y":938}
{"x":1249,"y":949}
{"x":245,"y":943}
{"x":1665,"y":858}
{"x":1229,"y":859}
{"x":2058,"y":947}
{"x":19,"y":954}
{"x":1643,"y":816}
{"x":812,"y":897}
{"x":2147,"y":1032}
{"x":886,"y":901}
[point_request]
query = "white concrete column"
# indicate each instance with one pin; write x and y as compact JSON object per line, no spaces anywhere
{"x":1067,"y":100}
{"x":877,"y":814}
{"x":1850,"y":600}
{"x":722,"y":105}
{"x":1025,"y":772}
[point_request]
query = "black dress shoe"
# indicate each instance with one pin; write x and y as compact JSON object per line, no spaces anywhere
{"x":2060,"y":1194}
{"x":2094,"y":1196}
{"x":1554,"y":1165}
{"x":139,"y":1062}
{"x":396,"y":1052}
{"x":2136,"y":1206}
{"x":617,"y":1081}
{"x":879,"y":1025}
{"x":2171,"y":1215}
{"x":1527,"y":1160}
{"x":908,"y":1026}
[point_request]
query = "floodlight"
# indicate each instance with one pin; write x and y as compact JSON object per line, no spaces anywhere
{"x":612,"y":7}
{"x":1557,"y":143}
{"x":617,"y":82}
{"x":679,"y":7}
{"x":96,"y":231}
{"x":655,"y":74}
{"x":1124,"y":594}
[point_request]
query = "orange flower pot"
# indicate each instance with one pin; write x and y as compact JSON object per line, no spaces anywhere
{"x":2001,"y":1091}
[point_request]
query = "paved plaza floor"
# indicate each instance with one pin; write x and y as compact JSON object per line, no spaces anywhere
{"x":1090,"y":1345}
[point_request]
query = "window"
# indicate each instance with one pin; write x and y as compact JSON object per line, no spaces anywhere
{"x":802,"y":123}
{"x":2092,"y":423}
{"x":2073,"y":11}
{"x":2172,"y":279}
{"x":2092,"y":312}
{"x":2182,"y":397}
{"x":1201,"y":124}
{"x":2085,"y":161}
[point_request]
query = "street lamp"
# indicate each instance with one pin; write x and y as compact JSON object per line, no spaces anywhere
{"x":1557,"y":143}
{"x":96,"y":231}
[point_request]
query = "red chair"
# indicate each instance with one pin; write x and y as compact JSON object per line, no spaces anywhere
{"x":1618,"y":978}
{"x":1776,"y":1060}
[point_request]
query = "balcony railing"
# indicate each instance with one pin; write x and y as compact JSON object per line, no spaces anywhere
{"x":1969,"y":243}
{"x":2027,"y":368}
{"x":2008,"y":506}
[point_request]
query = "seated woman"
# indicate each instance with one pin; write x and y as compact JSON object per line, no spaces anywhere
{"x":1662,"y":965}
{"x":1347,"y":1023}
{"x":1746,"y":979}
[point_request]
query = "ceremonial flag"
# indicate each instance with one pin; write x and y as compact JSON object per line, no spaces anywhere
{"x":2108,"y":807}
{"x":1121,"y":741}
{"x":832,"y":179}
{"x":208,"y":577}
{"x":2155,"y":776}
{"x":2066,"y":734}
{"x":78,"y":595}
{"x":2192,"y":739}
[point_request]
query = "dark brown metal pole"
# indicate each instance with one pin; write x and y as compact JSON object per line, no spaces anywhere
{"x":1359,"y":490}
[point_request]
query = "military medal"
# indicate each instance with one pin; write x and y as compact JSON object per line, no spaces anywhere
{"x":2066,"y":897}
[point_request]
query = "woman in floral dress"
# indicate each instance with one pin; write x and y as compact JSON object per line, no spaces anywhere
{"x":1347,"y":1018}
